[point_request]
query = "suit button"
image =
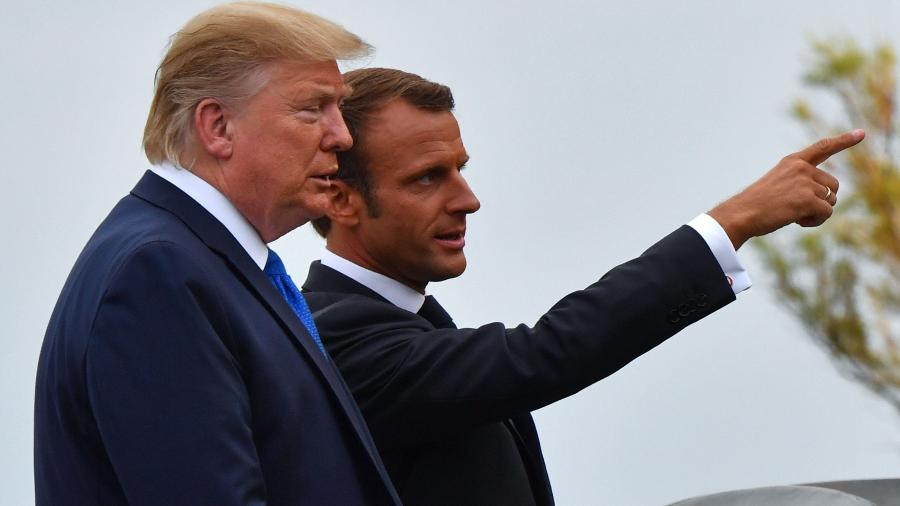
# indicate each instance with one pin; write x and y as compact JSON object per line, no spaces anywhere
{"x":684,"y":310}
{"x":702,"y":300}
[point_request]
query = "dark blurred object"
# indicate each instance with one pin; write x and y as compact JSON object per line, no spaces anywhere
{"x":778,"y":496}
{"x":880,"y":492}
{"x":832,"y":493}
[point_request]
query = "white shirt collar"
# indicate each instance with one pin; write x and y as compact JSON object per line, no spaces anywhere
{"x":394,"y":291}
{"x":219,"y":206}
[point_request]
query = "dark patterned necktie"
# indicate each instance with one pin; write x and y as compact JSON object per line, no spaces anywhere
{"x":434,"y":313}
{"x":283,"y":283}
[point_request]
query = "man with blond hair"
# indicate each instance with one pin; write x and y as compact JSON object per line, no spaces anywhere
{"x":181,"y":365}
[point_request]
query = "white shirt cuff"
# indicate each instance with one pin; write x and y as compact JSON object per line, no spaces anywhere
{"x":721,"y":247}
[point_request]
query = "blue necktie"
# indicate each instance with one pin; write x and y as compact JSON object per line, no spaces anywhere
{"x":279,"y":276}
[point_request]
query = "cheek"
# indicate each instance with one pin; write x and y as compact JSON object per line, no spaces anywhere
{"x":292,"y":147}
{"x":412,"y":229}
{"x":396,"y":237}
{"x":417,"y":213}
{"x":305,"y":141}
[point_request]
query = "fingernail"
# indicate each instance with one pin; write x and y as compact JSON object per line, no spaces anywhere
{"x":859,"y":133}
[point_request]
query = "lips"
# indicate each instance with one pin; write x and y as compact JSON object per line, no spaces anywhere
{"x":325,"y":175}
{"x":455,"y":239}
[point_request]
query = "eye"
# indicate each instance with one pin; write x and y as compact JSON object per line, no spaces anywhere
{"x":310,"y":112}
{"x":427,"y":178}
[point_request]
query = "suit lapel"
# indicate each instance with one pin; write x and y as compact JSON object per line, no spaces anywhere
{"x":213,"y":233}
{"x":525,"y":433}
{"x":219,"y":239}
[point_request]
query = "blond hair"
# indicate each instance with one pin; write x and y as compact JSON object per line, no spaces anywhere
{"x":224,"y":53}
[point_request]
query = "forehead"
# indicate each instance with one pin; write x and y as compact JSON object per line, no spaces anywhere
{"x":302,"y":78}
{"x":400,"y":135}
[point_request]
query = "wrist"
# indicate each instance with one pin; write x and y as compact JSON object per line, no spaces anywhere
{"x":733,"y":223}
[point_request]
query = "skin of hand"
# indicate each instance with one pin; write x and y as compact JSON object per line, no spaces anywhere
{"x":794,"y":191}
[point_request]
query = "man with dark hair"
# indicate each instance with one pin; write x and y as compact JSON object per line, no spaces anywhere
{"x":450,"y":408}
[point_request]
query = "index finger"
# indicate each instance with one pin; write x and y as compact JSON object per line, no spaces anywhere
{"x":824,"y":148}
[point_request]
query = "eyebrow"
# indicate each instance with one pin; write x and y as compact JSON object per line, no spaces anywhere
{"x":319,"y":92}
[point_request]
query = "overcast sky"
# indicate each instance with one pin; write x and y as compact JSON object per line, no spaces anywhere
{"x":595,"y":128}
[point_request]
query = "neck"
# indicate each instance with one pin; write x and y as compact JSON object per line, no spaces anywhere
{"x":361,"y":258}
{"x":211,"y":171}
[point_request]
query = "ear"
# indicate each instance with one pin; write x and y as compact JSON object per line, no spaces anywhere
{"x":345,"y":204}
{"x":212,"y":128}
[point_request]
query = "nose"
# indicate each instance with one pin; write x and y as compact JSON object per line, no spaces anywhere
{"x":464,"y":200}
{"x":336,"y":136}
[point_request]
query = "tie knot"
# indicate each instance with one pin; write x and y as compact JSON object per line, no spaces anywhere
{"x":432,"y":311}
{"x":274,"y":265}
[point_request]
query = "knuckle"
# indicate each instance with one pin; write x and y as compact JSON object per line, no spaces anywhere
{"x":809,"y":202}
{"x":800,"y":206}
{"x":824,"y":144}
{"x":799,"y":167}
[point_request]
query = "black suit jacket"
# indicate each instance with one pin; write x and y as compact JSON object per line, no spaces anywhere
{"x":173,"y":373}
{"x":449,"y":408}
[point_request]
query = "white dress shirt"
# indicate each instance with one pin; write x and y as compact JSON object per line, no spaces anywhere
{"x":405,"y":297}
{"x":219,"y":206}
{"x":394,"y":291}
{"x":721,"y":247}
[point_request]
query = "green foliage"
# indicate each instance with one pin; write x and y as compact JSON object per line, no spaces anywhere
{"x":842,"y":280}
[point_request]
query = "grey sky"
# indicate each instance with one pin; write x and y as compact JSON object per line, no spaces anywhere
{"x":595,"y":128}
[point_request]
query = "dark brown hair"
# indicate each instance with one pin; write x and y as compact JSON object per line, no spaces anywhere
{"x":373,"y":88}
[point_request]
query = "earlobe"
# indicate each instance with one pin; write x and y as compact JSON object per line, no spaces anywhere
{"x":213,"y":129}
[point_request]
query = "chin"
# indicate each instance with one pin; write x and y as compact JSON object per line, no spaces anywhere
{"x":450,"y":272}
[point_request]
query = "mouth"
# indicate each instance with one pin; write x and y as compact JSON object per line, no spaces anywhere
{"x":325,"y":176}
{"x":455,"y":239}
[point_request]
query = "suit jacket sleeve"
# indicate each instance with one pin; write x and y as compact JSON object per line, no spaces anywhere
{"x":164,"y":387}
{"x":416,"y":383}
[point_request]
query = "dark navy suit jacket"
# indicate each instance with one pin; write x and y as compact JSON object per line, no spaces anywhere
{"x":449,"y":408}
{"x":173,"y":373}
